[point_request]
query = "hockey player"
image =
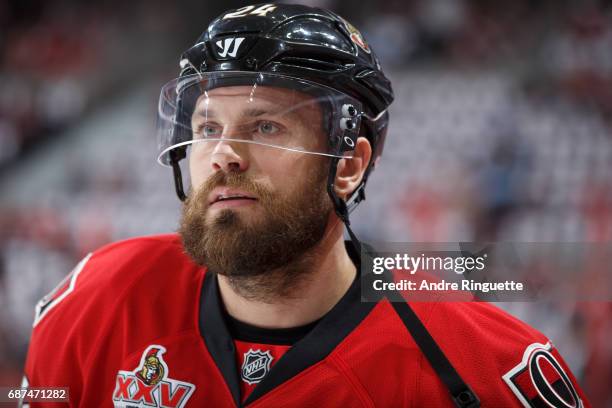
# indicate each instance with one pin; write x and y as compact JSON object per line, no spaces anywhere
{"x":279,"y":114}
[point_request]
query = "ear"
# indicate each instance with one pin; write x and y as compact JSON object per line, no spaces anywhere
{"x":350,"y":171}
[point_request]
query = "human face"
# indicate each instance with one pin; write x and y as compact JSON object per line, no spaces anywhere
{"x":265,"y":115}
{"x":253,"y":207}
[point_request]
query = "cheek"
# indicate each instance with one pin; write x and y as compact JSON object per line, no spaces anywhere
{"x":199,"y":170}
{"x":277,"y":168}
{"x":288,"y":172}
{"x":194,"y":174}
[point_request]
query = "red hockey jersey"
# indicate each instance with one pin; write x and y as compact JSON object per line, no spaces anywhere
{"x":138,"y":324}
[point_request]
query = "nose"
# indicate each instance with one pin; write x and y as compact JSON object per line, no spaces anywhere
{"x":225,"y":158}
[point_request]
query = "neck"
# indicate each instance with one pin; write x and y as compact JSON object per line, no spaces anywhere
{"x":329,"y":273}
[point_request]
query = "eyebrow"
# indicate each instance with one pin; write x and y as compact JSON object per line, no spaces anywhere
{"x":250,"y":112}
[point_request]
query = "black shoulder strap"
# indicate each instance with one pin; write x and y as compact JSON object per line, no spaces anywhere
{"x":461,"y":393}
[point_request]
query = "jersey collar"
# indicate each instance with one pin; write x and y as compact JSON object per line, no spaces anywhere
{"x":330,"y":331}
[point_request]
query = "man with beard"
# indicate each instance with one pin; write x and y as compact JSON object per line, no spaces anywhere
{"x":280,"y":112}
{"x":267,"y":234}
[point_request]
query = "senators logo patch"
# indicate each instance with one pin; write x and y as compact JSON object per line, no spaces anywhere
{"x":539,"y":380}
{"x":150,"y":385}
{"x":356,"y":36}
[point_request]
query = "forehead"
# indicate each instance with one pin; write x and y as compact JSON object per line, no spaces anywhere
{"x":282,"y":94}
{"x":234,"y":97}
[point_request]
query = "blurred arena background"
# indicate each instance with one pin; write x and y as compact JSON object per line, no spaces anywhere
{"x":501,"y":131}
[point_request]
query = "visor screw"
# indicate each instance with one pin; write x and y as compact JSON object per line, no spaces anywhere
{"x":251,"y":63}
{"x":348,"y":110}
{"x":347,"y":124}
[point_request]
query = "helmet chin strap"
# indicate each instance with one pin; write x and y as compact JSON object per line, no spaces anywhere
{"x":178,"y":181}
{"x":342,"y":209}
{"x":176,"y":155}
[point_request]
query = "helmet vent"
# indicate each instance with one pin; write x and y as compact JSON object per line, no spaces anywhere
{"x":315,"y":64}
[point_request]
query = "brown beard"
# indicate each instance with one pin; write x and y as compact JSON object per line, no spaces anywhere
{"x":264,"y":257}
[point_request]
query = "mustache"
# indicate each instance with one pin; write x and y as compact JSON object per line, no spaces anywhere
{"x":235,"y":180}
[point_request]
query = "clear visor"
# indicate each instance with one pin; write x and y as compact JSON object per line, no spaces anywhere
{"x":264,"y":110}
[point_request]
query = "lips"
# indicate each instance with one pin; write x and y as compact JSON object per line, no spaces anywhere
{"x":228,"y":194}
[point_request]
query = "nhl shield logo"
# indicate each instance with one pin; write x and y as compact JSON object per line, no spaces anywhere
{"x":256,"y":365}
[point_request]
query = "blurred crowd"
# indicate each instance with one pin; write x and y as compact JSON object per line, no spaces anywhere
{"x":59,"y":59}
{"x":59,"y":62}
{"x":50,"y":59}
{"x":501,"y":131}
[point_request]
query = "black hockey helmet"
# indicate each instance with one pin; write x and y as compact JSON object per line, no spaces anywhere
{"x":280,"y":41}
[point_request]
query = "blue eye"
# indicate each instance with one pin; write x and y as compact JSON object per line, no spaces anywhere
{"x":209,"y":130}
{"x":267,"y":128}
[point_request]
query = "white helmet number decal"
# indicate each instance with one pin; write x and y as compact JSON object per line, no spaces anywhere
{"x":248,"y":10}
